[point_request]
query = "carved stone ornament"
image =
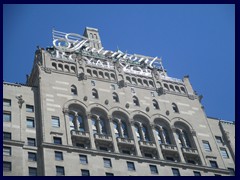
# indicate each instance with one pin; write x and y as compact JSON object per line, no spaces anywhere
{"x":127,"y":105}
{"x":20,"y":101}
{"x":65,"y":110}
{"x":85,"y":98}
{"x":167,"y":113}
{"x":47,"y":70}
{"x":147,"y":109}
{"x":106,"y":102}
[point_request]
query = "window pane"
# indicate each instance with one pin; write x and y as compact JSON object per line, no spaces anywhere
{"x":58,"y":156}
{"x":55,"y":121}
{"x":60,"y":171}
{"x":175,"y":172}
{"x":109,"y":174}
{"x":7,"y":166}
{"x":32,"y":171}
{"x":207,"y":146}
{"x":218,"y":139}
{"x":29,"y":108}
{"x":81,"y":123}
{"x":57,"y":140}
{"x":131,"y":166}
{"x":31,"y":142}
{"x":153,"y":169}
{"x":30,"y":123}
{"x":83,"y":159}
{"x":32,"y":156}
{"x":6,"y":102}
{"x":196,"y":173}
{"x":214,"y":164}
{"x":7,"y":116}
{"x":6,"y":151}
{"x":85,"y":172}
{"x":107,"y":163}
{"x":7,"y":136}
{"x":224,"y":153}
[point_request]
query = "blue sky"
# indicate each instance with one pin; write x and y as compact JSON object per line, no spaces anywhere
{"x":194,"y":40}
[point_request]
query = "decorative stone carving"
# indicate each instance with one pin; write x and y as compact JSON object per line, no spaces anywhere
{"x":65,"y":110}
{"x":106,"y":102}
{"x":48,"y":70}
{"x":127,"y":105}
{"x":147,"y":109}
{"x":167,"y":113}
{"x":20,"y":101}
{"x":85,"y":98}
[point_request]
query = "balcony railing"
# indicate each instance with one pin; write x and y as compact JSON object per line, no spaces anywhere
{"x":103,"y":137}
{"x":147,"y":144}
{"x":169,"y":147}
{"x":125,"y":141}
{"x":83,"y":134}
{"x":191,"y":151}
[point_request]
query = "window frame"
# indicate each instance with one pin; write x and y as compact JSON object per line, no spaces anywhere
{"x":131,"y":166}
{"x":153,"y":169}
{"x":207,"y":146}
{"x":224,"y":153}
{"x":30,"y":173}
{"x":197,"y":173}
{"x":7,"y":133}
{"x":83,"y":171}
{"x":58,"y":155}
{"x":57,"y":121}
{"x":176,"y":172}
{"x":213,"y":163}
{"x":30,"y":120}
{"x":107,"y":163}
{"x":61,"y":172}
{"x":7,"y":102}
{"x":7,"y":114}
{"x":7,"y":151}
{"x":83,"y":159}
{"x":29,"y":141}
{"x":32,"y":156}
{"x":55,"y":140}
{"x":29,"y":108}
{"x":9,"y":168}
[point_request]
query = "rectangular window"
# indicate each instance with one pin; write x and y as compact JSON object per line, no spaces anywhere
{"x":152,"y":94}
{"x":147,"y":155}
{"x":109,"y":174}
{"x":80,"y":145}
{"x":170,"y":158}
{"x":29,"y":108}
{"x":7,"y":102}
{"x":219,"y":139}
{"x":232,"y":171}
{"x":213,"y":164}
{"x":57,"y":140}
{"x":7,"y":166}
{"x":207,"y":146}
{"x":32,"y":171}
{"x":7,"y":136}
{"x":224,"y":153}
{"x":30,"y":123}
{"x":55,"y":121}
{"x":175,"y":172}
{"x":32,"y":156}
{"x":131,"y":166}
{"x":153,"y":169}
{"x":107,"y":163}
{"x":7,"y":151}
{"x":196,"y":173}
{"x":60,"y":171}
{"x":83,"y":159}
{"x":103,"y":148}
{"x":31,"y":142}
{"x":58,"y":156}
{"x":85,"y":172}
{"x":7,"y":116}
{"x":126,"y":152}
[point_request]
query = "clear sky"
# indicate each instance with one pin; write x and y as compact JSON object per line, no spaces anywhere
{"x":194,"y":40}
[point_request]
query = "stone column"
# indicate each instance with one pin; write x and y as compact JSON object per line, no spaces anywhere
{"x":68,"y":133}
{"x":138,"y":151}
{"x":91,"y":136}
{"x":115,"y":145}
{"x":159,"y":152}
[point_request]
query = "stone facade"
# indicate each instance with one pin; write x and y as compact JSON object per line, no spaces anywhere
{"x":75,"y":117}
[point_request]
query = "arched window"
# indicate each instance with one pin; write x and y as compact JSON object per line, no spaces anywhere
{"x":171,"y":87}
{"x":73,"y":90}
{"x":54,"y":65}
{"x":67,"y":68}
{"x":95,"y":74}
{"x":89,"y":72}
{"x":107,"y":75}
{"x":175,"y":108}
{"x":183,"y":90}
{"x":135,"y":101}
{"x":94,"y":93}
{"x":155,"y":104}
{"x":128,"y":79}
{"x":124,"y":129}
{"x":151,"y":83}
{"x":137,"y":131}
{"x":81,"y":123}
{"x":60,"y":66}
{"x":115,"y":97}
{"x":112,"y":76}
{"x":134,"y":81}
{"x":140,"y":81}
{"x":166,"y":87}
{"x":145,"y":82}
{"x":72,"y":68}
{"x":102,"y":126}
{"x":166,"y":136}
{"x":177,"y":88}
{"x":116,"y":128}
{"x":94,"y":125}
{"x":145,"y":133}
{"x":101,"y":74}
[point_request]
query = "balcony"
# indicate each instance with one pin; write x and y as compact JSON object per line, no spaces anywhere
{"x":103,"y":137}
{"x":190,"y":151}
{"x":147,"y":144}
{"x":125,"y":141}
{"x":80,"y":134}
{"x":169,"y":148}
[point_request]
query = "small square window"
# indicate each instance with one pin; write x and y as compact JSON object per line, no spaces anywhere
{"x":175,"y":172}
{"x":85,"y":172}
{"x":31,"y":142}
{"x":58,"y":156}
{"x":109,"y":174}
{"x":224,"y":153}
{"x":107,"y":163}
{"x":57,"y":140}
{"x":32,"y":156}
{"x":213,"y":164}
{"x":60,"y":171}
{"x":29,"y":108}
{"x":7,"y":102}
{"x":131,"y":166}
{"x":32,"y":171}
{"x":207,"y":146}
{"x":153,"y":169}
{"x":30,"y":123}
{"x":7,"y":116}
{"x":55,"y":121}
{"x":219,"y":139}
{"x":113,"y":87}
{"x":83,"y":159}
{"x":7,"y":136}
{"x":152,"y":94}
{"x":7,"y":166}
{"x":7,"y":151}
{"x":93,"y":83}
{"x":196,"y":173}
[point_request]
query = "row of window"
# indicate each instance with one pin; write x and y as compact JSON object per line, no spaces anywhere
{"x":101,"y":74}
{"x":63,"y":67}
{"x":7,"y":167}
{"x":7,"y":117}
{"x":8,"y":103}
{"x":8,"y":136}
{"x":139,"y":81}
{"x":174,"y":88}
